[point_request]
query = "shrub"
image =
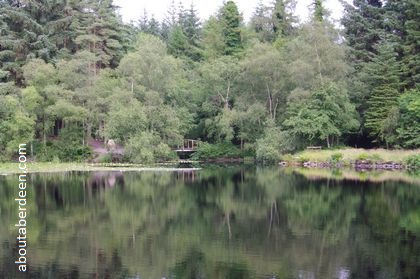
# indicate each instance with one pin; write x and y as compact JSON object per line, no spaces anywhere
{"x":106,"y":158}
{"x":67,"y":147}
{"x":413,"y":161}
{"x":336,"y":157}
{"x":287,"y":158}
{"x":267,"y":154}
{"x":303,"y":159}
{"x":376,"y":157}
{"x":362,"y":156}
{"x":163,"y":152}
{"x":141,"y":149}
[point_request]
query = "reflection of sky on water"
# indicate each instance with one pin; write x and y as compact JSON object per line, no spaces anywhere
{"x":343,"y":273}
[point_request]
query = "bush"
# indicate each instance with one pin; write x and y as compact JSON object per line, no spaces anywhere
{"x":376,"y":157}
{"x":303,"y":159}
{"x":372,"y":157}
{"x":106,"y":158}
{"x":142,"y":149}
{"x":336,"y":157}
{"x":287,"y":158}
{"x":274,"y":143}
{"x":362,"y":156}
{"x":267,"y":154}
{"x":413,"y":161}
{"x":67,"y":147}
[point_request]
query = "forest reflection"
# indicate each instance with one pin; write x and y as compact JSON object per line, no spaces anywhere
{"x":218,"y":222}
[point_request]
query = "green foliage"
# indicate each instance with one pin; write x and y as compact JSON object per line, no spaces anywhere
{"x":336,"y":157}
{"x":66,"y":148}
{"x":218,"y":150}
{"x":413,"y":161}
{"x":409,"y":119}
{"x":382,"y":77}
{"x":370,"y":157}
{"x":106,"y":158}
{"x":274,"y":143}
{"x":126,"y":121}
{"x":145,"y":148}
{"x":271,"y":86}
{"x":283,"y":18}
{"x":230,"y":20}
{"x":328,"y":113}
{"x":363,"y":156}
{"x":319,"y":10}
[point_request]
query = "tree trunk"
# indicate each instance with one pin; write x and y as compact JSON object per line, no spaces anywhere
{"x":270,"y":101}
{"x":228,"y":223}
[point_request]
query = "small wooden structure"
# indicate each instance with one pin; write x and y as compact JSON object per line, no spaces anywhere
{"x":314,"y":147}
{"x":189,"y":145}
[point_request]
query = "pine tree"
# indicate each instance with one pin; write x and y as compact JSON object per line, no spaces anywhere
{"x":154,"y":27}
{"x":262,"y":23}
{"x":231,"y":21}
{"x":171,"y":16}
{"x":319,"y":10}
{"x":21,"y":37}
{"x":177,"y":42}
{"x":403,"y":24}
{"x":101,"y":32}
{"x":143,"y":23}
{"x":363,"y":23}
{"x":283,"y":18}
{"x":382,"y":77}
{"x":192,"y":25}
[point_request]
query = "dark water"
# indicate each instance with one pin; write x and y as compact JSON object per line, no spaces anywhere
{"x":219,"y":222}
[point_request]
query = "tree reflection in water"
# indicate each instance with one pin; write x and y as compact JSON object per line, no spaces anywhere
{"x":219,"y":222}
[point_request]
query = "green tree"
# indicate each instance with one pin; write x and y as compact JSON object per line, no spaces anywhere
{"x":231,"y":22}
{"x":264,"y":78}
{"x":325,"y":116}
{"x":314,"y":58}
{"x":382,"y":77}
{"x":213,"y":42}
{"x":21,"y":38}
{"x":409,"y":109}
{"x":126,"y":121}
{"x":262,"y":23}
{"x":178,"y":44}
{"x":16,"y":125}
{"x":283,"y":18}
{"x":363,"y":23}
{"x":100,"y":32}
{"x":402,"y":23}
{"x":319,"y":10}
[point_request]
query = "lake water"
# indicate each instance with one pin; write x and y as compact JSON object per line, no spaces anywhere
{"x":218,"y":222}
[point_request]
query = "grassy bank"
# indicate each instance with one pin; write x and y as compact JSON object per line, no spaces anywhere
{"x":350,"y":155}
{"x":12,"y":168}
{"x":350,"y":174}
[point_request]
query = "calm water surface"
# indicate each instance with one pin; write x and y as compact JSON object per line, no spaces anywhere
{"x":219,"y":222}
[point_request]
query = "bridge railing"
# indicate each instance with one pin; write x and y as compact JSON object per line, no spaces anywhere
{"x":189,"y":145}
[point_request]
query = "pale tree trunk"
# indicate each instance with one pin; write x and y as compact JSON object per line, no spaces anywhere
{"x":227,"y":96}
{"x":270,"y":101}
{"x":225,"y":99}
{"x":275,"y":109}
{"x":228,"y":223}
{"x":319,"y":62}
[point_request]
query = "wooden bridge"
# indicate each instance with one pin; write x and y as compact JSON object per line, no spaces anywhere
{"x":189,"y":145}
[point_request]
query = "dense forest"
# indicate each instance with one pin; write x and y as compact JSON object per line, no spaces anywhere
{"x":72,"y":71}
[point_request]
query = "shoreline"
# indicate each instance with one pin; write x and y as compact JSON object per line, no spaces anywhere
{"x":45,"y":167}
